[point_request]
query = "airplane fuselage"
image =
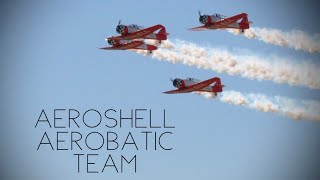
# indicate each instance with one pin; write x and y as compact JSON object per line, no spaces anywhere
{"x":218,"y":21}
{"x":126,"y":30}
{"x":136,"y":32}
{"x":184,"y":83}
{"x":217,"y":18}
{"x":193,"y":85}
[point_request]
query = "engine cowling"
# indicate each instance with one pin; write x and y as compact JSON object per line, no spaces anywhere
{"x":121,"y":29}
{"x":113,"y":42}
{"x":205,"y":19}
{"x":178,"y":83}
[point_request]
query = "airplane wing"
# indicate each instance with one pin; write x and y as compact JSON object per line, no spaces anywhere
{"x":131,"y":45}
{"x":140,"y":34}
{"x":200,"y":28}
{"x":195,"y":87}
{"x":220,"y":24}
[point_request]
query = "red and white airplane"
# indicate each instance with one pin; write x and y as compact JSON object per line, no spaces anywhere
{"x":193,"y":85}
{"x":133,"y":31}
{"x":129,"y":44}
{"x":218,"y":21}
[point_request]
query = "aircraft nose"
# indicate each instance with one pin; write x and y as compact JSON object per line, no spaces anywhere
{"x":176,"y":83}
{"x":203,"y":19}
{"x":119,"y":29}
{"x":111,"y":42}
{"x":200,"y":18}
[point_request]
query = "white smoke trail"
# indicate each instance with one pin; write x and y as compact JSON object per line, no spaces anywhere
{"x":164,"y":44}
{"x":294,"y":109}
{"x":277,"y":69}
{"x":296,"y":39}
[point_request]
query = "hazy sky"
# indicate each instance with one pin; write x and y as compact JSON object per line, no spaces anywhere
{"x":50,"y":61}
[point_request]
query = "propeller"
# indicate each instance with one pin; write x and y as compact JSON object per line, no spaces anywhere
{"x":118,"y":28}
{"x":171,"y":79}
{"x":202,"y":17}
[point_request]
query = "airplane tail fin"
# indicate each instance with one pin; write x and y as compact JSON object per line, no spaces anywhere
{"x":162,"y":34}
{"x":245,"y":20}
{"x":217,"y":87}
{"x":244,"y":23}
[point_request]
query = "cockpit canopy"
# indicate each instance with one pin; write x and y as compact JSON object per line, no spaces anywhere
{"x":193,"y":80}
{"x":219,"y":16}
{"x":136,"y":26}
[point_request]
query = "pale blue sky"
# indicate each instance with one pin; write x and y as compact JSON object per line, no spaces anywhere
{"x":50,"y":60}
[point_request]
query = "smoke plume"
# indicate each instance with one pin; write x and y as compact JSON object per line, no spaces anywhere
{"x":292,"y":108}
{"x":248,"y":65}
{"x":296,"y":39}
